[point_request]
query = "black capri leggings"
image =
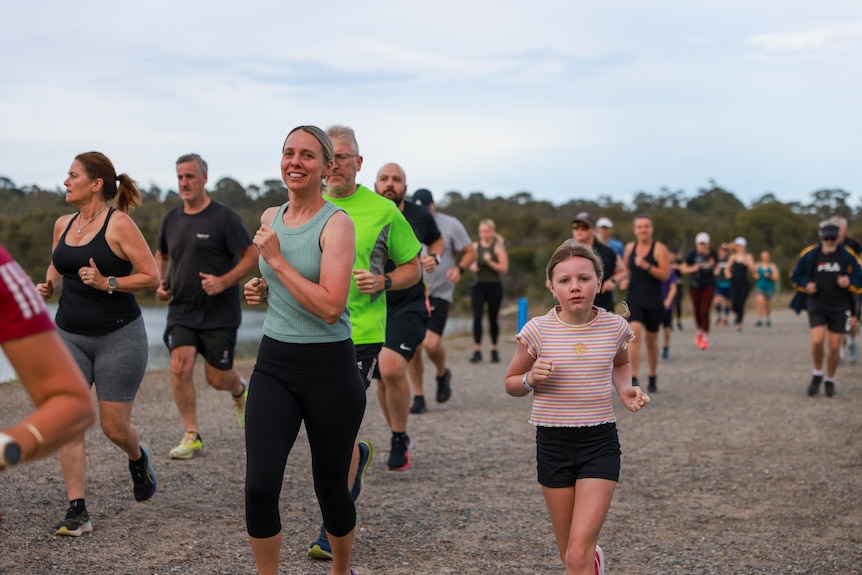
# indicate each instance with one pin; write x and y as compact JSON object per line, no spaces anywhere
{"x":318,"y":384}
{"x":480,"y":294}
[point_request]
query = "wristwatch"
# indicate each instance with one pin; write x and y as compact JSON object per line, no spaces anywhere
{"x":387,"y":282}
{"x":112,"y":284}
{"x":437,"y":258}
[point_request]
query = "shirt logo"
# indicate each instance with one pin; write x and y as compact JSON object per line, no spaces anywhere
{"x":829,"y":267}
{"x":203,"y":236}
{"x":580,"y":348}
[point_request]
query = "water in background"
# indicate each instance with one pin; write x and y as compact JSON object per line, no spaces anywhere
{"x":248,"y":336}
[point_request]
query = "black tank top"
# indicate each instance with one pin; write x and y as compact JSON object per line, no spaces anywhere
{"x":644,"y":289}
{"x":85,"y":310}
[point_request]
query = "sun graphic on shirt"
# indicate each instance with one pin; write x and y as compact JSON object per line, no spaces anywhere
{"x":580,"y":348}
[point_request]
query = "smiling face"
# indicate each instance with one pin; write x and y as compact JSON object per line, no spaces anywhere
{"x":303,"y":166}
{"x":643,"y":229}
{"x":348,"y":162}
{"x":391,"y":183}
{"x":574,"y":283}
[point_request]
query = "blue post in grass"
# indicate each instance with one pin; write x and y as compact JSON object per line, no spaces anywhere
{"x":522,"y":312}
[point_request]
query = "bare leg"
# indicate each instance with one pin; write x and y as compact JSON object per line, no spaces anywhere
{"x":266,"y":553}
{"x":183,"y":385}
{"x":395,"y":400}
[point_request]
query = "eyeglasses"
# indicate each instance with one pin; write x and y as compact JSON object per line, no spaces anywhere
{"x":341,"y":158}
{"x":830,"y":238}
{"x":580,"y":226}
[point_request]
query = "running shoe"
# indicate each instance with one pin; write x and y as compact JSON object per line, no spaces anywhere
{"x":698,"y":340}
{"x":399,"y":454}
{"x":366,"y":454}
{"x":651,"y":386}
{"x":704,"y":342}
{"x":664,"y":353}
{"x":320,"y":548}
{"x":814,"y":386}
{"x":444,"y":386}
{"x":239,"y":405}
{"x":758,"y":323}
{"x":829,"y":388}
{"x":853,"y":351}
{"x":143,"y":476}
{"x":187,"y":448}
{"x":418,"y":404}
{"x":600,"y":561}
{"x":476,"y":357}
{"x":495,"y":357}
{"x":75,"y":524}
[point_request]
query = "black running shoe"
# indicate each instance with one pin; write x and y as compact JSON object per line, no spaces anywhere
{"x":75,"y":524}
{"x":829,"y":388}
{"x":444,"y":386}
{"x":399,"y":456}
{"x":495,"y":357}
{"x":143,"y":476}
{"x":476,"y":357}
{"x":418,"y":404}
{"x":814,"y":386}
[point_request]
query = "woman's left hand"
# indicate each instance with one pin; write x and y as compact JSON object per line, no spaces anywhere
{"x":91,"y":276}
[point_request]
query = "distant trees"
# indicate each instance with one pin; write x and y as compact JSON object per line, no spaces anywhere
{"x":532,"y":228}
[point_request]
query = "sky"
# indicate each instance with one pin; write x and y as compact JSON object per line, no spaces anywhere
{"x":563,"y":99}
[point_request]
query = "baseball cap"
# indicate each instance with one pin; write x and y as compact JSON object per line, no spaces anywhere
{"x":740,"y":241}
{"x":829,"y":231}
{"x":584,"y":218}
{"x":423,"y":197}
{"x":604,"y":223}
{"x":701,"y":238}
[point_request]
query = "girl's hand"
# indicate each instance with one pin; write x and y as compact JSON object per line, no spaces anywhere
{"x":634,"y":398}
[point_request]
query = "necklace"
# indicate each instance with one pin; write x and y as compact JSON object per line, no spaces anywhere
{"x":93,"y":217}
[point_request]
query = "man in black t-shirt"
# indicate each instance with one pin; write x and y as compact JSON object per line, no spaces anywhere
{"x":614,"y":270}
{"x":828,"y":275}
{"x":407,"y":316}
{"x":203,"y":252}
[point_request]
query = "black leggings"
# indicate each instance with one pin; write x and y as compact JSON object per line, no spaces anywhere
{"x":318,"y":384}
{"x":492,"y":294}
{"x":738,"y":295}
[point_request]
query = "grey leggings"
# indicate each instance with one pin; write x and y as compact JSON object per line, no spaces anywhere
{"x":116,"y":361}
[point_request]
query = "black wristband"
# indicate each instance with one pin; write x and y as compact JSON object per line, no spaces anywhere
{"x":460,"y":269}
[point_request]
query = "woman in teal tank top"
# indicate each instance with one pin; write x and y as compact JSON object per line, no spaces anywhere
{"x":764,"y":288}
{"x":306,"y":365}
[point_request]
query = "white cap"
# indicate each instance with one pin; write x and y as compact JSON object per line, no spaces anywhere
{"x":604,"y":223}
{"x":740,"y":241}
{"x":701,"y":238}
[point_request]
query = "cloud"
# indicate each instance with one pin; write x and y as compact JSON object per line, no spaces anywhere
{"x":811,"y":41}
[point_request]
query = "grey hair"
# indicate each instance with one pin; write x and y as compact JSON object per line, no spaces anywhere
{"x":202,"y":165}
{"x":339,"y":132}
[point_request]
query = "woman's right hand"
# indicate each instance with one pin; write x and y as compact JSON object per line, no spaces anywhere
{"x":255,"y":290}
{"x":46,"y":290}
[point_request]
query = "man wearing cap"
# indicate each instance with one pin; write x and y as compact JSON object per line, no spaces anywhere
{"x":700,"y":266}
{"x":825,"y":278}
{"x":604,"y":230}
{"x":458,"y":254}
{"x":584,"y":232}
{"x":855,"y":247}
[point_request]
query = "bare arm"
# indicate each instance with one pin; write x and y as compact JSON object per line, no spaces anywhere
{"x":64,"y":407}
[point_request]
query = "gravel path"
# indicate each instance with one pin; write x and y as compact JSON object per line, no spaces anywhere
{"x":730,"y":470}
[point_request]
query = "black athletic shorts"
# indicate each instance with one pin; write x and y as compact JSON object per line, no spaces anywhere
{"x":439,"y":313}
{"x":650,"y":317}
{"x":836,"y":321}
{"x":215,"y":345}
{"x":566,"y":454}
{"x":366,"y":360}
{"x":405,"y":327}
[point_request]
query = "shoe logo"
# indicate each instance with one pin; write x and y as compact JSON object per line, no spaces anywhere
{"x":405,"y":348}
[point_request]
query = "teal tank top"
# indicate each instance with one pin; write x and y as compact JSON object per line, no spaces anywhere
{"x":286,"y":320}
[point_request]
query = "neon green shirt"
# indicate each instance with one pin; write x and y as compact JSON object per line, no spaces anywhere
{"x":382,"y":233}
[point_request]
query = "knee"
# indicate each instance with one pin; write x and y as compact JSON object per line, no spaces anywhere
{"x":114,"y":431}
{"x":578,"y":560}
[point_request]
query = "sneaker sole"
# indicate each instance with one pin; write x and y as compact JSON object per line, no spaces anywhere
{"x":66,"y":532}
{"x":317,"y":552}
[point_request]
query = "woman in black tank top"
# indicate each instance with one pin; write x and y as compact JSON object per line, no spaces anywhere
{"x":99,"y":258}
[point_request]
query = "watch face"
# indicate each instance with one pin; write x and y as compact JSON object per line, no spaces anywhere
{"x":112,"y":282}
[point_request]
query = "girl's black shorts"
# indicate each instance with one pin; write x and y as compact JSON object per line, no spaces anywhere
{"x":566,"y":454}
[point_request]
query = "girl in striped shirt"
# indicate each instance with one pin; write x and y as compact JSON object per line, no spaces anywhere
{"x":570,"y":359}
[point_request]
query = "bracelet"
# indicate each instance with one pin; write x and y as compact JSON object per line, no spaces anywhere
{"x":526,"y":385}
{"x":40,"y":441}
{"x":460,"y":269}
{"x":649,"y":266}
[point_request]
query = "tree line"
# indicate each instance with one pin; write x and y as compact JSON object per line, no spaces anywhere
{"x":532,"y":228}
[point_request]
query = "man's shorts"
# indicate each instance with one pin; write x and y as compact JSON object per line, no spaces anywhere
{"x":439,"y":313}
{"x":215,"y":345}
{"x":405,"y":327}
{"x":566,"y":454}
{"x":366,"y":360}
{"x":836,"y":321}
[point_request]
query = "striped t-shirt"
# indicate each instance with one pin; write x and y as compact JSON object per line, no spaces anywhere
{"x":579,"y":391}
